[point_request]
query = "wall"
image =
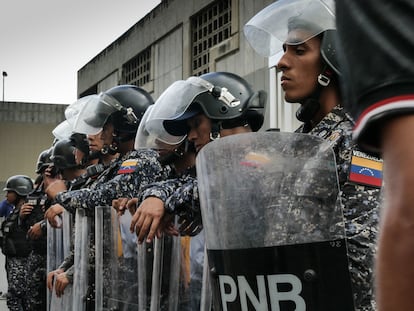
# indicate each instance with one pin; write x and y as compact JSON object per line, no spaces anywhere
{"x":25,"y":131}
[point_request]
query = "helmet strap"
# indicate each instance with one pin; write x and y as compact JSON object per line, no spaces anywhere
{"x":311,"y":105}
{"x":215,"y":130}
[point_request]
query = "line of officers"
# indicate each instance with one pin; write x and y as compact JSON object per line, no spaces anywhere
{"x":113,"y":220}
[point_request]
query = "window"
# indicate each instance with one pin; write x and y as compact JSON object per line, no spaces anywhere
{"x":209,"y":27}
{"x":137,"y":71}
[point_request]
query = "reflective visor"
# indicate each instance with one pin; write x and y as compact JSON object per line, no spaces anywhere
{"x":172,"y":104}
{"x":269,"y":29}
{"x":64,"y":129}
{"x":95,"y":113}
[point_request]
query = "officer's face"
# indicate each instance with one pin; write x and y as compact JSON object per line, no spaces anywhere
{"x":300,"y":66}
{"x":107,"y":134}
{"x":200,"y":129}
{"x":96,"y":142}
{"x":11,"y":197}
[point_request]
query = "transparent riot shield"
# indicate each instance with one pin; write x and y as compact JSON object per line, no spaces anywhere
{"x":59,"y":244}
{"x":116,"y":268}
{"x":81,"y":260}
{"x":273,"y":223}
{"x":164,"y":274}
{"x":170,"y":274}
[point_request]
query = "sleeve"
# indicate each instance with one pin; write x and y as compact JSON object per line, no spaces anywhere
{"x":123,"y":184}
{"x":373,"y":92}
{"x":69,"y":274}
{"x":67,"y":262}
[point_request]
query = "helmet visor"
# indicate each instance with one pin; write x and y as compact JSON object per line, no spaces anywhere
{"x":95,"y":113}
{"x":63,"y":130}
{"x":289,"y":22}
{"x":173,"y":103}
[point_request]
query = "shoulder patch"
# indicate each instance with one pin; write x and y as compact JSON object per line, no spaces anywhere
{"x":365,"y":169}
{"x":128,"y":166}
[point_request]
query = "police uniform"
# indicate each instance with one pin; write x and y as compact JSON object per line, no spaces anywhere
{"x":36,"y":261}
{"x":16,"y":248}
{"x":123,"y":178}
{"x":360,"y":177}
{"x":180,"y":197}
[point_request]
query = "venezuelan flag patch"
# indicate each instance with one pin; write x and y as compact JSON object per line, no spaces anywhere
{"x":365,"y":169}
{"x":128,"y":166}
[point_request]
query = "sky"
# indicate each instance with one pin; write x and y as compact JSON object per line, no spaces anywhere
{"x":43,"y":43}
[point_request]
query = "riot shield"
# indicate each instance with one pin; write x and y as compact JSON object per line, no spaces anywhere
{"x":116,"y":271}
{"x":164,"y":274}
{"x":81,"y":260}
{"x":273,"y":223}
{"x":59,"y":244}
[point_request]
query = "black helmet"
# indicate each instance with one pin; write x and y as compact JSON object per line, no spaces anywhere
{"x":80,"y":141}
{"x":252,"y":102}
{"x":63,"y":155}
{"x":43,"y":161}
{"x":134,"y":101}
{"x":123,"y":106}
{"x":21,"y":184}
{"x":228,"y":100}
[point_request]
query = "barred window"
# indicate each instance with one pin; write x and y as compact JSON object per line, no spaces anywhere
{"x":137,"y":71}
{"x":209,"y":27}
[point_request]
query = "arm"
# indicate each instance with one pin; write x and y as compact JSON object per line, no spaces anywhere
{"x":394,"y":269}
{"x":147,"y":170}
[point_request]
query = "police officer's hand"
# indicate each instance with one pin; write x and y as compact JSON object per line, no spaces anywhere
{"x":120,"y":205}
{"x":54,"y":186}
{"x":52,"y":215}
{"x":25,"y":210}
{"x":132,"y":205}
{"x":51,"y":276}
{"x":35,"y":232}
{"x":146,"y":219}
{"x":61,"y":281}
{"x":167,"y":226}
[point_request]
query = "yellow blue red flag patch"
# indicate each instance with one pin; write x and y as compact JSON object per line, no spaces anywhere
{"x":365,"y":169}
{"x":128,"y":166}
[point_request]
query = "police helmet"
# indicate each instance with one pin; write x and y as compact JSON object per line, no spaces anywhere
{"x":21,"y":184}
{"x":43,"y":161}
{"x":270,"y":29}
{"x":63,"y":155}
{"x":123,"y":106}
{"x":224,"y":97}
{"x":80,"y":141}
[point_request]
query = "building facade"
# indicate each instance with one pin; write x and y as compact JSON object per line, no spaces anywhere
{"x":25,"y":131}
{"x":180,"y":38}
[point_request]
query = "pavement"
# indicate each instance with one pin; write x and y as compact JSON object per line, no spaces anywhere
{"x":3,"y":283}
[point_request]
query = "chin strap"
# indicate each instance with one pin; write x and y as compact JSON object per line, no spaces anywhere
{"x":311,"y":105}
{"x":215,"y":130}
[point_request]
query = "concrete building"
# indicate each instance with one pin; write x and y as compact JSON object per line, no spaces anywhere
{"x":25,"y":131}
{"x":180,"y":38}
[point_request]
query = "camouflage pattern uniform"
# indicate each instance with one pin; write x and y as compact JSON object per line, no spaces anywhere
{"x":36,"y":262}
{"x":16,"y":269}
{"x":180,"y":197}
{"x":123,"y":178}
{"x":360,"y":203}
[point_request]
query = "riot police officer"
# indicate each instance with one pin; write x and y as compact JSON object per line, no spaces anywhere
{"x":214,"y":105}
{"x":15,"y":246}
{"x":305,"y":31}
{"x":117,"y":113}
